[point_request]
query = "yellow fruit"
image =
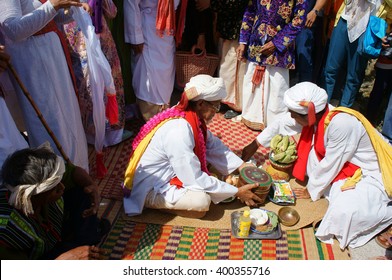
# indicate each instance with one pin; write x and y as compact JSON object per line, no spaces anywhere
{"x":285,"y":143}
{"x":275,"y":140}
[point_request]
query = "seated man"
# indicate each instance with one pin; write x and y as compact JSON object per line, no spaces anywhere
{"x":346,"y":161}
{"x":168,"y":167}
{"x":48,"y":209}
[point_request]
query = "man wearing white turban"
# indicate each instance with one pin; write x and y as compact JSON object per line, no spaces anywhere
{"x":345,"y":159}
{"x":168,"y":167}
{"x":48,"y":209}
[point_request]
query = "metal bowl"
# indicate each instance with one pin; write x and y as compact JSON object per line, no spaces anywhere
{"x":288,"y":216}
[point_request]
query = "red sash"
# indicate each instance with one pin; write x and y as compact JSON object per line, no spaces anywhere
{"x":200,"y":146}
{"x":52,"y":27}
{"x":305,"y":145}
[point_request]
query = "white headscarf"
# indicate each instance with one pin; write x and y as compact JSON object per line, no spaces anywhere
{"x":21,"y":195}
{"x":205,"y":87}
{"x":297,"y":98}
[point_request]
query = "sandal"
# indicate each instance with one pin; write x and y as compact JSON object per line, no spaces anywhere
{"x":384,"y":239}
{"x":230,"y":114}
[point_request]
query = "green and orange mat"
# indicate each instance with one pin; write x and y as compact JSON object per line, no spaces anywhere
{"x":139,"y":241}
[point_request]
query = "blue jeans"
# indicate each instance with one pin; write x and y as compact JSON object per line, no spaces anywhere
{"x":342,"y":53}
{"x":387,"y":127}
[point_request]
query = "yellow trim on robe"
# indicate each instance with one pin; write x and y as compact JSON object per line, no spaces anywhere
{"x":382,"y":148}
{"x":137,"y":154}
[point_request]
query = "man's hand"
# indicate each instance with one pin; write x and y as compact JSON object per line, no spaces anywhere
{"x":249,"y":150}
{"x":240,"y":52}
{"x":87,"y":8}
{"x":92,"y":192}
{"x":82,"y":253}
{"x":268,"y":48}
{"x":246,"y":195}
{"x":310,"y":19}
{"x":301,"y":193}
{"x":62,"y":4}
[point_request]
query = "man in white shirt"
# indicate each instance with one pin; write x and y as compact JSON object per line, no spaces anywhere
{"x":168,"y":168}
{"x":346,"y":161}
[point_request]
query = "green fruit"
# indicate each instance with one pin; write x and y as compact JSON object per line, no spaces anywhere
{"x":275,"y":140}
{"x":279,"y":157}
{"x":285,"y":143}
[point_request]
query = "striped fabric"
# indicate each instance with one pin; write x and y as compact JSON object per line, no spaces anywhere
{"x":29,"y":238}
{"x":135,"y":241}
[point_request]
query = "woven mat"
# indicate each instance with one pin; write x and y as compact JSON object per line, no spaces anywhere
{"x":140,"y":241}
{"x":219,"y":215}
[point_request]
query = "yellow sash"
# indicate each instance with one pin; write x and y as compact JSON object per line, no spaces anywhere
{"x":382,"y":148}
{"x":137,"y":154}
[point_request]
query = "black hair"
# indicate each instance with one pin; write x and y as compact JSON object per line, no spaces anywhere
{"x":28,"y":166}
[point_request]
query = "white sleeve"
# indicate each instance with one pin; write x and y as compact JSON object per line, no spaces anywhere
{"x":341,"y":141}
{"x":286,"y":125}
{"x":133,"y":32}
{"x":220,"y":156}
{"x":18,"y":26}
{"x":179,"y":147}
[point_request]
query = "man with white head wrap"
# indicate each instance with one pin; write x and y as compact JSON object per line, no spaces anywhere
{"x":48,"y":209}
{"x":168,"y":166}
{"x":345,"y":160}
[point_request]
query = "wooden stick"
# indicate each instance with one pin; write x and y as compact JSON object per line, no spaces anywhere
{"x":38,"y":112}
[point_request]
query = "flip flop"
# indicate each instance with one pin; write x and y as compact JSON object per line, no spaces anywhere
{"x":384,"y":239}
{"x":230,"y":114}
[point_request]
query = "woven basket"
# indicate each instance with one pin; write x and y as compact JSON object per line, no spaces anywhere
{"x":190,"y":64}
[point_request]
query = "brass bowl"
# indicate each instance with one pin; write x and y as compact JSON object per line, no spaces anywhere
{"x":288,"y":216}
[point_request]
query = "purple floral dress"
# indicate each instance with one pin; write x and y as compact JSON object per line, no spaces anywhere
{"x":278,"y":21}
{"x":77,"y":47}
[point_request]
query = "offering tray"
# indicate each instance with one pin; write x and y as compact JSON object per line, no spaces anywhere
{"x":275,"y":233}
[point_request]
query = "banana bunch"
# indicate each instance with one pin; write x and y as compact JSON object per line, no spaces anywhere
{"x":284,"y":149}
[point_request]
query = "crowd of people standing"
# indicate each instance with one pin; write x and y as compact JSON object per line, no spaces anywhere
{"x":264,"y":47}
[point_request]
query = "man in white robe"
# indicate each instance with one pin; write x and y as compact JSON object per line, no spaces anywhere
{"x":40,"y":61}
{"x":153,"y":68}
{"x":357,"y":211}
{"x":10,"y":137}
{"x":171,"y":171}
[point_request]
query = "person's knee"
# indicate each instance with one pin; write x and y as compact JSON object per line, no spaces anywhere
{"x":199,"y":201}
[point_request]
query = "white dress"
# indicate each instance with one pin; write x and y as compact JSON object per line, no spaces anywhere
{"x":10,"y":138}
{"x":169,"y":154}
{"x":153,"y":71}
{"x":353,"y":216}
{"x":41,"y":65}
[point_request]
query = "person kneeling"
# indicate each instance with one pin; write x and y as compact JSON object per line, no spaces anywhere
{"x":49,"y":208}
{"x":168,"y":167}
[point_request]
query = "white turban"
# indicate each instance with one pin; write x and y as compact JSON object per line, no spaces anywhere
{"x":299,"y":96}
{"x":205,"y":87}
{"x":21,"y":195}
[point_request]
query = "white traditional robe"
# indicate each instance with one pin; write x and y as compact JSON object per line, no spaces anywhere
{"x":353,"y":216}
{"x":153,"y":71}
{"x":41,"y":65}
{"x":265,"y":105}
{"x":169,"y":154}
{"x":10,"y":138}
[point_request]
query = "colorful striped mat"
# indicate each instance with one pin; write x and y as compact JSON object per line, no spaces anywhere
{"x":137,"y":241}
